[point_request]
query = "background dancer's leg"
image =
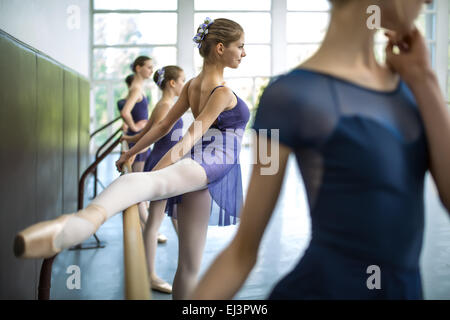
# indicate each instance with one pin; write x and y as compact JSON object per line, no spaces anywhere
{"x":155,"y":218}
{"x":193,"y":217}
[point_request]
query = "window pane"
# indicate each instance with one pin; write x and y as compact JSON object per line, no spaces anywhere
{"x":449,"y":57}
{"x":430,"y":6}
{"x":432,"y":50}
{"x":135,"y":5}
{"x":257,"y":26}
{"x":306,"y":27}
{"x":114,"y":63}
{"x":448,"y":86}
{"x":120,"y":91}
{"x":101,"y":113}
{"x":308,"y":5}
{"x":297,"y":54}
{"x":118,"y":28}
{"x":232,"y":5}
{"x":256,"y":63}
{"x":426,"y":23}
{"x":244,"y":88}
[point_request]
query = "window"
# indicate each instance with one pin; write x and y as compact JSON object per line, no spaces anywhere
{"x":307,"y":22}
{"x":306,"y":25}
{"x":279,"y":35}
{"x":120,"y":35}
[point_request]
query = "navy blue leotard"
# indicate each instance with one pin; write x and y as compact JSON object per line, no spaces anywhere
{"x":363,"y":156}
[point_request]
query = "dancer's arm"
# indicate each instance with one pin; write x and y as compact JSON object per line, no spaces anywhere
{"x":413,"y":65}
{"x":231,"y":268}
{"x":129,"y":105}
{"x":221,"y":99}
{"x":160,"y":111}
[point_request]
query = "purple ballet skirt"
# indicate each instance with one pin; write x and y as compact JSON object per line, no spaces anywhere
{"x":218,"y":153}
{"x":160,"y":148}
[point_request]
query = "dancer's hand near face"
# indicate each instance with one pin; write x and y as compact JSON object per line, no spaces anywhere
{"x":413,"y":60}
{"x":413,"y":65}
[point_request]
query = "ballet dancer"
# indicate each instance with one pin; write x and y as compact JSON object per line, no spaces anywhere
{"x":143,"y":207}
{"x":203,"y":166}
{"x":364,"y":135}
{"x":170,"y":80}
{"x":135,"y":110}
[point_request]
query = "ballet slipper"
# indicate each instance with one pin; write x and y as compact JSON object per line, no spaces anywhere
{"x":162,"y":238}
{"x":38,"y":241}
{"x":43,"y":240}
{"x":161,"y":286}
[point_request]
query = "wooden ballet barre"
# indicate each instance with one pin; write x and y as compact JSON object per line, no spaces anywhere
{"x":137,"y":286}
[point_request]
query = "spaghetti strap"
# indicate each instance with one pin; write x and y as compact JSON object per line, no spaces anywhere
{"x":215,"y":89}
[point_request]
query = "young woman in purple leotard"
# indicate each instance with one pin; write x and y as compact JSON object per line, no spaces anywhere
{"x":135,"y":109}
{"x":170,"y":80}
{"x":203,"y":166}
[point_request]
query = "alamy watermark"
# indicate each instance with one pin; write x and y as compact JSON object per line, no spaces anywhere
{"x":374,"y":281}
{"x":73,"y":282}
{"x":374,"y":20}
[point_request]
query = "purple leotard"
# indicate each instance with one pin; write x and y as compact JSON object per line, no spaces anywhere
{"x":160,"y":148}
{"x":218,"y":153}
{"x":139,"y":112}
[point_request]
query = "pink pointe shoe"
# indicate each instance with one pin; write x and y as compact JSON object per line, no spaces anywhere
{"x":38,"y":241}
{"x":44,"y":239}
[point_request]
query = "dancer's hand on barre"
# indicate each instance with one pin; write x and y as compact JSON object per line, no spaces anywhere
{"x":124,"y":158}
{"x":413,"y":60}
{"x":129,"y":139}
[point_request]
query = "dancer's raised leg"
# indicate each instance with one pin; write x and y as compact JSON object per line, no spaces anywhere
{"x":48,"y":238}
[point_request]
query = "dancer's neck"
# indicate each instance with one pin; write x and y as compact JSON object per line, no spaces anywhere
{"x":168,"y":95}
{"x":348,"y":49}
{"x":212,"y":73}
{"x":138,"y":80}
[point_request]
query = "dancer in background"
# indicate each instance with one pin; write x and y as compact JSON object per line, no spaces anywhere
{"x":364,"y":135}
{"x":135,"y":114}
{"x":170,"y":80}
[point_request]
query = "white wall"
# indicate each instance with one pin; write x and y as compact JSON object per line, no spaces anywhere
{"x":58,"y":28}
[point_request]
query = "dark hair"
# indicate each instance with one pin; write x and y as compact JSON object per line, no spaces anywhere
{"x":220,"y":31}
{"x":129,"y":80}
{"x":170,"y":73}
{"x":140,"y":61}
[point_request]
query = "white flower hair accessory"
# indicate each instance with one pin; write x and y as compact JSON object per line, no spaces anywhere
{"x":203,"y":31}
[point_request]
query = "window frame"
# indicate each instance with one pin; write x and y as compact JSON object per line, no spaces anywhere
{"x":278,"y":46}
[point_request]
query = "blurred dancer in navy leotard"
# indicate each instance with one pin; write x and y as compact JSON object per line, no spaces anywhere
{"x":203,"y":167}
{"x":364,"y":136}
{"x":170,"y":80}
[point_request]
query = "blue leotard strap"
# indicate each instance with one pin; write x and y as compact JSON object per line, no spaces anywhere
{"x":215,"y":89}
